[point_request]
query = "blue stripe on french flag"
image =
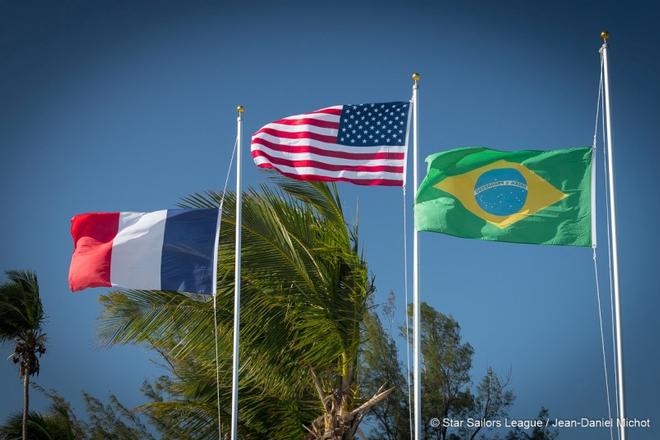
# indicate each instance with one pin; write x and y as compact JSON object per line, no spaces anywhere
{"x":173,"y":250}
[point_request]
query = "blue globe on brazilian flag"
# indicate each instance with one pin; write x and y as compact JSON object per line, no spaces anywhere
{"x":537,"y":197}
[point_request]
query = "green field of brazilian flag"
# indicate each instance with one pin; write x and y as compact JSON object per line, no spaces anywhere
{"x":537,"y":197}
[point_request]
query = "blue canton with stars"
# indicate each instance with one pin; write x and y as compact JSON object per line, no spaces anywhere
{"x":369,"y":125}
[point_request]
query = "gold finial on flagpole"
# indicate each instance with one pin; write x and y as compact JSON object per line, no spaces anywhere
{"x":604,"y":36}
{"x":416,"y":77}
{"x":240,"y":109}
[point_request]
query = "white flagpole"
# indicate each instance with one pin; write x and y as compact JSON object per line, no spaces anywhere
{"x":237,"y":278}
{"x":416,"y":310}
{"x":615,"y":255}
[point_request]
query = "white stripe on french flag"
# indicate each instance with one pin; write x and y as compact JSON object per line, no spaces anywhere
{"x":173,"y":250}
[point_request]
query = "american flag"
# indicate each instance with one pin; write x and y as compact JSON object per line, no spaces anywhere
{"x":363,"y":144}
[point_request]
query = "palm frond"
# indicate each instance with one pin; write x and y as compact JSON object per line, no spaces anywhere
{"x":20,"y":305}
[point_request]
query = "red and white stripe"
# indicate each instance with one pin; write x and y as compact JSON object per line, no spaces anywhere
{"x":305,"y":147}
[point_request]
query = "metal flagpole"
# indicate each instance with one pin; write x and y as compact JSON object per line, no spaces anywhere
{"x":416,"y":318}
{"x":615,"y":255}
{"x":237,"y":278}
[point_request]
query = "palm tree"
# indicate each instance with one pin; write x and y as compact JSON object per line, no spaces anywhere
{"x":304,"y":296}
{"x":21,"y":318}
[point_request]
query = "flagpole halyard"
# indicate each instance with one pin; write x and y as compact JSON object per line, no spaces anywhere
{"x":615,"y":256}
{"x":416,"y":305}
{"x":237,"y":277}
{"x":217,"y":364}
{"x":215,"y":312}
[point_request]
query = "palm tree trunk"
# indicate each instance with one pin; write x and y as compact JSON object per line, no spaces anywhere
{"x":26,"y":404}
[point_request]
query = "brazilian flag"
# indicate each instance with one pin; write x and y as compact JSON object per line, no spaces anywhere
{"x":537,"y":197}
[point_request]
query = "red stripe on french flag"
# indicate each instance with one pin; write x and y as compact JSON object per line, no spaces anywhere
{"x":92,"y":238}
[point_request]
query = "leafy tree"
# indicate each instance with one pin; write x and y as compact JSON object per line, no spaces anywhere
{"x":112,"y":421}
{"x":544,"y":433}
{"x":491,"y":402}
{"x":448,"y":390}
{"x":106,"y":421}
{"x":304,"y":296}
{"x":21,"y":319}
{"x":379,"y":364}
{"x":445,"y":370}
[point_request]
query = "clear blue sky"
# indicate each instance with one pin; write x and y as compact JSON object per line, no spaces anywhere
{"x":124,"y":105}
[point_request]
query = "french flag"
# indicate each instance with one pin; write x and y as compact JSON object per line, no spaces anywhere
{"x":173,"y":250}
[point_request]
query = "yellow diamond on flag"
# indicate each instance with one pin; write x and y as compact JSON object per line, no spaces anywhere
{"x":502,"y":193}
